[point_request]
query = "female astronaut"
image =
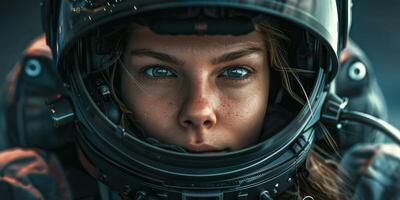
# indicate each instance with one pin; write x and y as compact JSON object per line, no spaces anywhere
{"x":204,"y":100}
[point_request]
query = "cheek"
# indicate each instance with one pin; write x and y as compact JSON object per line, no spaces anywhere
{"x":244,"y":114}
{"x":249,"y":101}
{"x":150,"y":110}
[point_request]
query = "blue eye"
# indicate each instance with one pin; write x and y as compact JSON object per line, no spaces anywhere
{"x":159,"y":72}
{"x":235,"y":72}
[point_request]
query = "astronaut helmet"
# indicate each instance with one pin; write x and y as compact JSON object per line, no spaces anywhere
{"x":194,"y":99}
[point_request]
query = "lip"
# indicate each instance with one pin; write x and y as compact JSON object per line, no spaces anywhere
{"x":201,"y":148}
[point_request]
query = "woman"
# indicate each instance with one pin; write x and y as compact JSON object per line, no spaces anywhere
{"x":206,"y":93}
{"x":209,"y":93}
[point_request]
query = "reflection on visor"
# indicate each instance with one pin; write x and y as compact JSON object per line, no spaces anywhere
{"x":134,"y":79}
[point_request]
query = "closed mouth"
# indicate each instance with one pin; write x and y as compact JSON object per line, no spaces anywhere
{"x":200,"y":149}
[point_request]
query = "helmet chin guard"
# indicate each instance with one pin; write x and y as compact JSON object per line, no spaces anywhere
{"x":135,"y":168}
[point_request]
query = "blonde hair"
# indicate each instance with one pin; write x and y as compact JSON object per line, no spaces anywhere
{"x":322,"y":181}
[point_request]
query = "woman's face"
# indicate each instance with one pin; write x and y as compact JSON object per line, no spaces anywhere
{"x":204,"y":93}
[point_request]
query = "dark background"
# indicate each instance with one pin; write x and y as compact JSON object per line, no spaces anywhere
{"x":376,"y":28}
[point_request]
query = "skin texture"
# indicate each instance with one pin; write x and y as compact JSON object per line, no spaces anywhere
{"x":199,"y":101}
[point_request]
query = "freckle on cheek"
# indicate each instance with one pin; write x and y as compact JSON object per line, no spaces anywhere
{"x":146,"y":115}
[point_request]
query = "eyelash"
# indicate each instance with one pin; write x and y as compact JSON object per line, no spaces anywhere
{"x":242,"y":68}
{"x":150,"y":71}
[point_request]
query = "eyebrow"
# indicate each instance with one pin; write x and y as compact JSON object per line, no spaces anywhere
{"x":157,"y":55}
{"x":175,"y":61}
{"x":236,"y":54}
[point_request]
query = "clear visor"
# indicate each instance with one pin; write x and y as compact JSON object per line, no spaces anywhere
{"x":209,"y":93}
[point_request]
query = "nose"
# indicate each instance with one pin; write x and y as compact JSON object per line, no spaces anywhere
{"x":198,"y":112}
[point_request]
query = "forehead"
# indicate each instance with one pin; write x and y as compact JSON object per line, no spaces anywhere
{"x":143,"y":37}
